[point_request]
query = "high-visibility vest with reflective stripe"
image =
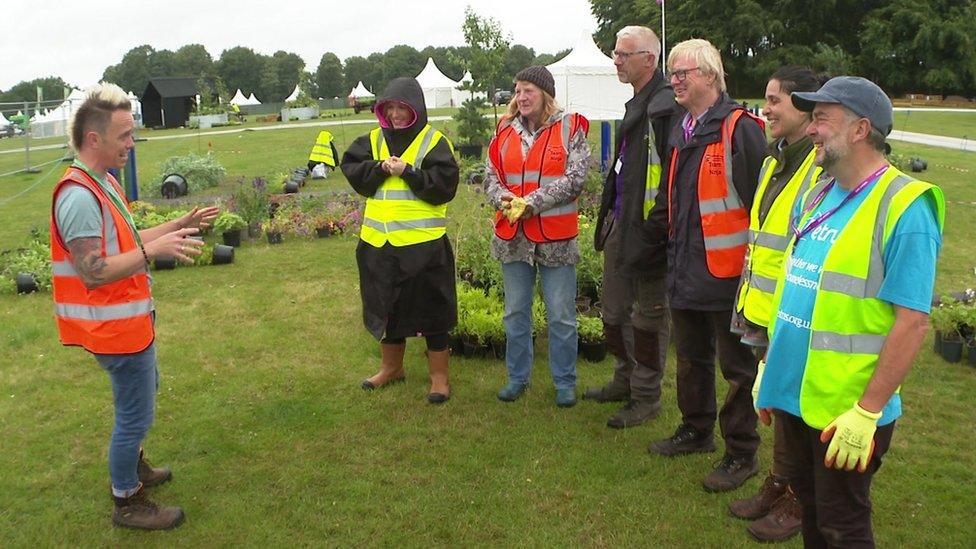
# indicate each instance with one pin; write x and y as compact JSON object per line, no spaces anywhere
{"x":115,"y":318}
{"x":394,"y":214}
{"x":522,"y":175}
{"x":768,"y":241}
{"x":724,"y":219}
{"x":322,"y":151}
{"x":849,"y":323}
{"x":652,"y":182}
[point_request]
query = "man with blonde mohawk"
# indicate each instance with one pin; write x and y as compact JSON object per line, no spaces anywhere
{"x":102,"y":296}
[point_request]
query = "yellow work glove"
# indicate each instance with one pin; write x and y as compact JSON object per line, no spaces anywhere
{"x":514,"y":209}
{"x":851,"y":437}
{"x":765,"y":414}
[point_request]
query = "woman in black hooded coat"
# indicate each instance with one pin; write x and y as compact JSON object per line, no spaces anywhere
{"x":406,"y":264}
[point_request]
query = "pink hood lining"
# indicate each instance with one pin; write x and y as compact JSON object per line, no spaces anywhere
{"x":384,"y":123}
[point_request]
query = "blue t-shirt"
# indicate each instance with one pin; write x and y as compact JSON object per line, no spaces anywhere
{"x":909,"y":257}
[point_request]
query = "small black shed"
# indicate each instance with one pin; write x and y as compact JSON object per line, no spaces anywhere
{"x":168,"y":101}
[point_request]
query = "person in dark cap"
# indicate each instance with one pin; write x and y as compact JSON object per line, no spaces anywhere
{"x":537,"y":165}
{"x":850,"y":310}
{"x":408,"y":174}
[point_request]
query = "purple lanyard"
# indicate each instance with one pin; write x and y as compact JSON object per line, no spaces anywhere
{"x":819,"y":220}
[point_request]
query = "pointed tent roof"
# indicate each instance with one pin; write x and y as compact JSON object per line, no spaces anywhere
{"x":238,"y":98}
{"x":360,"y":91}
{"x":585,"y":58}
{"x":3,"y":120}
{"x":294,"y":94}
{"x":432,"y":77}
{"x":251,"y":100}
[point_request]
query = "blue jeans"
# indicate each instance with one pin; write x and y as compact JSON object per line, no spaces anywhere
{"x":559,"y":292}
{"x":135,"y":380}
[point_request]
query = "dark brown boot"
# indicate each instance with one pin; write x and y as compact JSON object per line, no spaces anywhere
{"x":391,"y":367}
{"x":151,"y":476}
{"x":138,"y":511}
{"x":438,"y":363}
{"x":782,"y":523}
{"x":760,"y":504}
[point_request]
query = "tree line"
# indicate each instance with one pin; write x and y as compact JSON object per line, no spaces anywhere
{"x":906,"y":46}
{"x":273,"y":77}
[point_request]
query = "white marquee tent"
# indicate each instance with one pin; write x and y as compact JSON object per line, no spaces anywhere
{"x":238,"y":99}
{"x":251,"y":100}
{"x":459,"y":96}
{"x":294,"y":94}
{"x":586,"y":82}
{"x":360,"y":91}
{"x":3,"y":121}
{"x":438,"y":89}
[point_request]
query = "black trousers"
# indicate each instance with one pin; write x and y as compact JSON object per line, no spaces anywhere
{"x":697,"y":336}
{"x":836,"y":503}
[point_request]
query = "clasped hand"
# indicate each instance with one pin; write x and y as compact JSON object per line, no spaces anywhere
{"x":394,"y":166}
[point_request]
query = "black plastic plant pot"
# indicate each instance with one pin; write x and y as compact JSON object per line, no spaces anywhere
{"x":469,"y":151}
{"x":174,"y":186}
{"x":26,"y":283}
{"x":323,"y":232}
{"x":456,"y":346}
{"x":952,"y":350}
{"x":498,"y":349}
{"x":971,"y":355}
{"x":165,"y":263}
{"x":223,"y":255}
{"x":232,"y":238}
{"x":275,"y":238}
{"x":292,"y":186}
{"x":472,"y":348}
{"x":593,"y":352}
{"x":937,"y":342}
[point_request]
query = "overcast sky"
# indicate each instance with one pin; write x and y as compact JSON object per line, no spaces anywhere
{"x":77,"y":40}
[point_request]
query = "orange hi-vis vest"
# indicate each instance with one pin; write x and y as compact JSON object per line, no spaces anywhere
{"x":115,"y":318}
{"x":724,"y":218}
{"x":545,"y":163}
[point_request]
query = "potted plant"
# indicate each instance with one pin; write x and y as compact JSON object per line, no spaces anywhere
{"x":592,"y":345}
{"x":948,"y":319}
{"x":230,"y":225}
{"x":275,"y":227}
{"x":474,"y":130}
{"x":479,"y":327}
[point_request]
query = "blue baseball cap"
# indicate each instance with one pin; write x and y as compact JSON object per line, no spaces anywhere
{"x":862,"y":96}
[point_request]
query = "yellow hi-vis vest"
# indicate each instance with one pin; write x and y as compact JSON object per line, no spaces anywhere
{"x":322,"y":151}
{"x":849,"y":323}
{"x":394,"y":214}
{"x":768,"y":242}
{"x":653,"y":180}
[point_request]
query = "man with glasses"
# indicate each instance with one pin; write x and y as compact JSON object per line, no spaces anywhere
{"x":634,"y":310}
{"x":717,"y":151}
{"x":850,"y":310}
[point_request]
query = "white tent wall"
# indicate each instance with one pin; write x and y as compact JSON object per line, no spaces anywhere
{"x":586,"y":82}
{"x":438,"y":88}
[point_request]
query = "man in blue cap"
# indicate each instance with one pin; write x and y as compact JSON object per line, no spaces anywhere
{"x":851,"y":310}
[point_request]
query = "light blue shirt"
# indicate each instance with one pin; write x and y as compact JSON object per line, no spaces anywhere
{"x":910,"y":258}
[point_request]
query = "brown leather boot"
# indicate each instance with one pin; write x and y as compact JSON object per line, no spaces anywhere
{"x":760,"y":504}
{"x":440,"y":385}
{"x":151,"y":476}
{"x":138,"y":511}
{"x":782,"y":523}
{"x":391,"y":367}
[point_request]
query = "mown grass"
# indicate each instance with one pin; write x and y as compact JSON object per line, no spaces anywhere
{"x":273,"y":443}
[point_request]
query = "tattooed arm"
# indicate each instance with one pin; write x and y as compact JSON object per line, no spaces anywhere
{"x":95,"y":270}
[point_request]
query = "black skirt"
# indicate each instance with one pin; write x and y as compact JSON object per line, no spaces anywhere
{"x":407,"y":291}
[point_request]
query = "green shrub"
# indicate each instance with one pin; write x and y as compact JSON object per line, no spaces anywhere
{"x":34,"y":258}
{"x":228,"y":221}
{"x":590,"y":328}
{"x":251,"y":200}
{"x":472,"y":127}
{"x":201,"y":172}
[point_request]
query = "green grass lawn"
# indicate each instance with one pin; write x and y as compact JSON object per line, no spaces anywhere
{"x":272,"y":442}
{"x":951,"y":124}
